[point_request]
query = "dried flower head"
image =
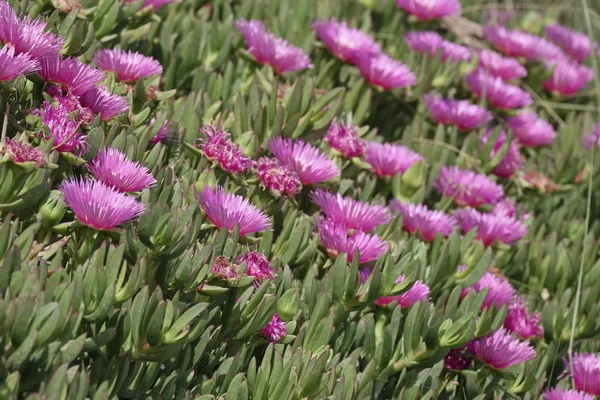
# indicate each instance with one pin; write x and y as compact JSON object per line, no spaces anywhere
{"x":461,"y":113}
{"x":337,"y":238}
{"x":498,"y":93}
{"x":500,"y":350}
{"x":428,"y":223}
{"x":344,"y":139}
{"x":101,"y":102}
{"x":389,"y":159}
{"x":430,"y":9}
{"x":97,"y":205}
{"x":257,"y":265}
{"x":277,"y":177}
{"x":311,"y":165}
{"x":383,"y":71}
{"x":506,"y":68}
{"x":127,"y":65}
{"x":224,"y":269}
{"x":344,"y":42}
{"x":519,"y":322}
{"x":530,"y":130}
{"x":354,"y":214}
{"x":112,"y":167}
{"x":218,"y":147}
{"x":226,"y":210}
{"x":576,"y":44}
{"x":70,"y":74}
{"x":20,"y":152}
{"x":274,"y":330}
{"x":491,"y":228}
{"x":468,"y":188}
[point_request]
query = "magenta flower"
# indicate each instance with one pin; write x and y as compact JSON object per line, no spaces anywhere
{"x":417,"y":292}
{"x":337,"y":239}
{"x":128,"y":66}
{"x":548,"y":52}
{"x":257,"y":265}
{"x":62,"y":128}
{"x":519,"y":322}
{"x":564,"y":394}
{"x":346,"y":43}
{"x":389,"y":159}
{"x":512,"y":43}
{"x":218,"y":147}
{"x":383,"y":71}
{"x":498,"y":93}
{"x":112,"y":167}
{"x":500,"y":350}
{"x":278,"y":178}
{"x":97,"y":205}
{"x":19,"y":152}
{"x":28,"y":36}
{"x":430,"y":9}
{"x":568,"y":78}
{"x":424,"y":42}
{"x":467,"y":188}
{"x":461,"y":113}
{"x":226,"y":210}
{"x":506,"y":68}
{"x":155,"y":4}
{"x":491,"y":228}
{"x":585,"y":371}
{"x":271,"y":50}
{"x":453,"y":52}
{"x":344,"y":139}
{"x":592,"y":138}
{"x":101,"y":102}
{"x":512,"y":161}
{"x":162,"y":133}
{"x":530,"y":130}
{"x":70,"y":74}
{"x":274,"y":330}
{"x":507,"y":208}
{"x":500,"y":291}
{"x":351,"y":213}
{"x":419,"y":218}
{"x":311,"y":165}
{"x":70,"y":104}
{"x":575,"y":44}
{"x":457,"y":359}
{"x":12,"y":66}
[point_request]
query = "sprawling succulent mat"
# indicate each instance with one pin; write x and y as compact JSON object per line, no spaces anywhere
{"x":299,"y":199}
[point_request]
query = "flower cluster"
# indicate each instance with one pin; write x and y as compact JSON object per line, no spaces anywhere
{"x":344,"y":139}
{"x":219,"y":148}
{"x":428,"y":223}
{"x":461,"y":113}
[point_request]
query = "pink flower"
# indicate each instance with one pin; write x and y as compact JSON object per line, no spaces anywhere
{"x":337,"y":239}
{"x":278,"y":178}
{"x":346,"y":43}
{"x":382,"y":70}
{"x":430,"y":9}
{"x":417,"y":292}
{"x":389,"y":159}
{"x":512,"y":43}
{"x":530,"y":130}
{"x":70,"y":74}
{"x":424,"y":42}
{"x":511,"y":162}
{"x":467,"y":188}
{"x":585,"y":372}
{"x":257,"y":265}
{"x":507,"y":208}
{"x":112,"y":167}
{"x":28,"y":36}
{"x":521,"y":323}
{"x":311,"y":165}
{"x":419,"y":218}
{"x":575,"y":44}
{"x":12,"y":66}
{"x":500,"y":350}
{"x":568,"y":78}
{"x":128,"y":66}
{"x":498,"y":93}
{"x":506,"y":68}
{"x":271,"y":50}
{"x":351,"y":213}
{"x":457,"y":359}
{"x":274,"y":330}
{"x":19,"y":152}
{"x":101,"y":102}
{"x":563,"y":394}
{"x":491,"y":228}
{"x":548,"y":52}
{"x":218,"y":147}
{"x":162,"y":133}
{"x":226,"y":210}
{"x":500,"y":291}
{"x":461,"y":113}
{"x":344,"y":139}
{"x":97,"y":205}
{"x":63,"y":129}
{"x":453,"y":52}
{"x":592,"y":138}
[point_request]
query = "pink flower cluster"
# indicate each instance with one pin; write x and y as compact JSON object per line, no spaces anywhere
{"x":461,"y":113}
{"x":344,"y":139}
{"x":431,"y":43}
{"x":218,"y":147}
{"x":426,"y":10}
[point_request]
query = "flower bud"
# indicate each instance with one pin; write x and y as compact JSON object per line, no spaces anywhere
{"x":288,"y":305}
{"x":52,"y":209}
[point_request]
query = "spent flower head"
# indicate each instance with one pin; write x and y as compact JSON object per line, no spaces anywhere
{"x":274,"y":330}
{"x":218,"y":147}
{"x":344,"y":139}
{"x":277,"y":177}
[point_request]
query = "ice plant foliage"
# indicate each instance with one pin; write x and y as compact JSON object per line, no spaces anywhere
{"x":226,"y":210}
{"x":98,"y":205}
{"x":354,"y":214}
{"x":70,"y":74}
{"x":101,"y":102}
{"x":565,"y":394}
{"x":512,"y":160}
{"x":11,"y":65}
{"x":519,"y":322}
{"x":506,"y":68}
{"x":430,"y":9}
{"x":417,"y":292}
{"x":337,"y":238}
{"x":271,"y":50}
{"x":417,"y":218}
{"x":218,"y":147}
{"x":576,"y":44}
{"x":127,"y":65}
{"x":530,"y":130}
{"x":461,"y":113}
{"x":498,"y":93}
{"x":585,"y":370}
{"x":344,"y":139}
{"x":383,"y":71}
{"x":491,"y":228}
{"x":390,"y":159}
{"x":347,"y":44}
{"x":277,"y":177}
{"x":311,"y":165}
{"x":113,"y":168}
{"x":275,"y":330}
{"x":500,"y":350}
{"x":467,"y":188}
